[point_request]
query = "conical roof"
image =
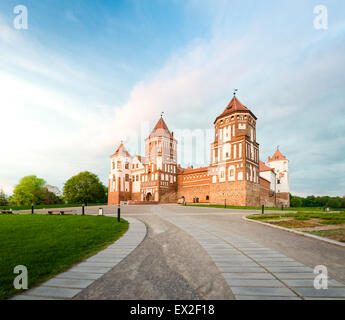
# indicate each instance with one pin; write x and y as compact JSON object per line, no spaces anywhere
{"x":160,"y":128}
{"x":234,"y":105}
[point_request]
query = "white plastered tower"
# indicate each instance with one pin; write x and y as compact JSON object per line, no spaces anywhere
{"x":280,"y":164}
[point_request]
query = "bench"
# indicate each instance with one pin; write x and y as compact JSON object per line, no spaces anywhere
{"x":7,"y":211}
{"x":61,"y":211}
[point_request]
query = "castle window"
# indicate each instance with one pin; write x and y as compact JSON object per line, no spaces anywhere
{"x":207,"y":198}
{"x":137,"y":165}
{"x":119,"y":166}
{"x":126,"y":177}
{"x":127,"y":165}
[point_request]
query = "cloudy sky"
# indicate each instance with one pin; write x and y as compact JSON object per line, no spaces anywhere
{"x":87,"y":74}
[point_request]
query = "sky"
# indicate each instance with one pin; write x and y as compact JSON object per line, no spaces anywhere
{"x":86,"y":75}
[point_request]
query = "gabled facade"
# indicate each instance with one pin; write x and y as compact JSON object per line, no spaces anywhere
{"x":125,"y":176}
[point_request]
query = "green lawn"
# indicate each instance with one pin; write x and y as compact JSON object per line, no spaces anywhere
{"x":48,"y":245}
{"x":255,"y":208}
{"x":48,"y":206}
{"x":338,"y":234}
{"x":326,"y":217}
{"x":332,"y":223}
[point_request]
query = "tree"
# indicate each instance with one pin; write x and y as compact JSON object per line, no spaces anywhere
{"x":84,"y":187}
{"x":28,"y":191}
{"x":342,"y":203}
{"x":334,"y":203}
{"x":296,"y":202}
{"x":3,"y":198}
{"x":48,"y":197}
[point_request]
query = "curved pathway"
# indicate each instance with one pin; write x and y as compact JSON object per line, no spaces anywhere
{"x":253,"y":271}
{"x":196,"y":253}
{"x":68,"y":284}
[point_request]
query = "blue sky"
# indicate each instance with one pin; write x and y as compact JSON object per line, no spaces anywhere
{"x":87,"y":74}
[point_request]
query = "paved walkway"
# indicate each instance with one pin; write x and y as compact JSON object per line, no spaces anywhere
{"x":200,"y":253}
{"x":255,"y":272}
{"x":68,"y":284}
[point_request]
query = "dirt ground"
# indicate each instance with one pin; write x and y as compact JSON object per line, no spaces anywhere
{"x":314,"y":226}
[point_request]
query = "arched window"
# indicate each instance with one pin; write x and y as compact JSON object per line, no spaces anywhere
{"x":207,"y":198}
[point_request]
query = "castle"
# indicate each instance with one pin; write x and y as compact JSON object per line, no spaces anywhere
{"x":235,"y":175}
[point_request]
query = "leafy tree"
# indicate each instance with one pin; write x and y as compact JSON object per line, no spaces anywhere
{"x":3,"y":198}
{"x":334,"y":203}
{"x":28,"y":191}
{"x":312,"y":201}
{"x":342,"y":203}
{"x":48,"y":197}
{"x":84,"y":187}
{"x":296,"y":202}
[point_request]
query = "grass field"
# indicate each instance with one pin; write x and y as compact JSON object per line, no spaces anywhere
{"x":256,"y":208}
{"x":48,"y":245}
{"x":324,"y":224}
{"x":49,"y":206}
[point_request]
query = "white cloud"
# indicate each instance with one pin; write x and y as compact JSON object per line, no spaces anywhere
{"x":55,"y":134}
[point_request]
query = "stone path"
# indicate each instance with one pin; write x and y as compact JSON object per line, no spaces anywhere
{"x":254,"y":272}
{"x":68,"y":284}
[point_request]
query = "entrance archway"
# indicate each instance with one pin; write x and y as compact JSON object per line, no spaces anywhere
{"x":149,"y":196}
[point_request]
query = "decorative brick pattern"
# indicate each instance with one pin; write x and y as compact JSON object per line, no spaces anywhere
{"x":232,"y":178}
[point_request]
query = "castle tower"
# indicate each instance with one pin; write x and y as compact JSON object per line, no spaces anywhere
{"x":280,"y":164}
{"x":159,"y":182}
{"x":120,"y":184}
{"x":234,"y":165}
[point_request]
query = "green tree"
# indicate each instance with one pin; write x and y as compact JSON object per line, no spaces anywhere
{"x":3,"y":198}
{"x":342,"y":203}
{"x":28,"y":191}
{"x":84,"y":187}
{"x":48,"y":197}
{"x":334,"y":203}
{"x":296,"y":202}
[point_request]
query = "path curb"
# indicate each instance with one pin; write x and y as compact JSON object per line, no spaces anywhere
{"x":68,"y":284}
{"x":304,"y":234}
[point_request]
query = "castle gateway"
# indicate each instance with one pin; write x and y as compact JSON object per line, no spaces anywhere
{"x":235,"y":175}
